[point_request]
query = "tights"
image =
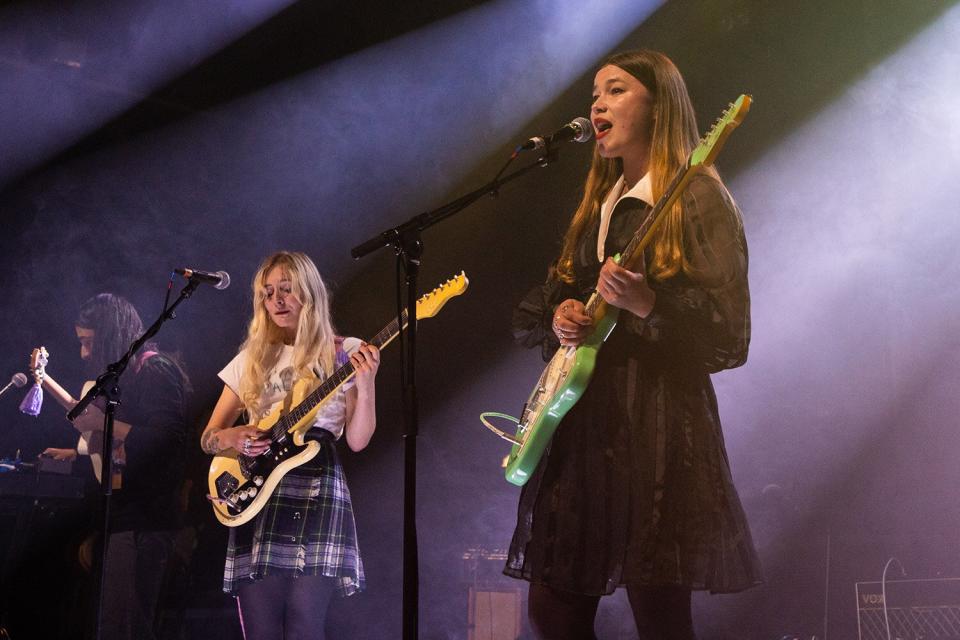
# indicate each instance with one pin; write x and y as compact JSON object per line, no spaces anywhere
{"x":285,"y":608}
{"x":661,"y":613}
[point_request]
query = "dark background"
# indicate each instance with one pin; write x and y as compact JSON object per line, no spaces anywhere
{"x":313,"y":125}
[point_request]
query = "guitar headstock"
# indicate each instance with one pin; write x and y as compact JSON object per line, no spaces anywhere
{"x":430,"y":304}
{"x":38,"y":363}
{"x":710,"y":145}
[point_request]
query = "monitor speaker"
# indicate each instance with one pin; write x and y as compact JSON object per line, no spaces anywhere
{"x":494,"y":614}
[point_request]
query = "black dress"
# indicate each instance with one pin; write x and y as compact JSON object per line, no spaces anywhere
{"x":145,"y":511}
{"x":635,"y":487}
{"x":154,"y":402}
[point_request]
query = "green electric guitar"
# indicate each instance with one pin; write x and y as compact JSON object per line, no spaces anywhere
{"x":569,"y":371}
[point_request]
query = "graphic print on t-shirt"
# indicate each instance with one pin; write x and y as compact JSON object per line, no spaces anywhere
{"x":286,"y":380}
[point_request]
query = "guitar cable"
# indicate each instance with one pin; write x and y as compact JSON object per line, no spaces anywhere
{"x":506,"y":436}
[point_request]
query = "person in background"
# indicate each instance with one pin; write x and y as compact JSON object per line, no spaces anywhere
{"x":149,"y":450}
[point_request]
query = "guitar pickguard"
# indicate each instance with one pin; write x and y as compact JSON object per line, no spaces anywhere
{"x":560,"y":386}
{"x":240,"y":485}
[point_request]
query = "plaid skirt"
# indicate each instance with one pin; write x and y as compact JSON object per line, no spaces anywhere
{"x":306,"y":528}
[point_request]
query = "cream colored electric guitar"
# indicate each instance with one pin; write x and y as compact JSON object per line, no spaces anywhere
{"x":241,"y":485}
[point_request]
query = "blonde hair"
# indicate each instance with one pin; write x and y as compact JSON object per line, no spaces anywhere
{"x":674,"y":135}
{"x":314,"y":348}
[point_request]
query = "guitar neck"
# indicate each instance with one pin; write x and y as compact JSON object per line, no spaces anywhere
{"x":427,"y":307}
{"x":333,"y":382}
{"x":61,"y":395}
{"x":632,"y":256}
{"x":633,"y":253}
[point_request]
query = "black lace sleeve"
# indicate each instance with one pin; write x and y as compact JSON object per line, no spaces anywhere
{"x":155,"y":410}
{"x":703,"y":316}
{"x":532,"y":318}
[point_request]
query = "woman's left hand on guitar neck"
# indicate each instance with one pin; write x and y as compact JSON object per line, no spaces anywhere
{"x":361,"y":399}
{"x":625,"y":289}
{"x":618,"y":287}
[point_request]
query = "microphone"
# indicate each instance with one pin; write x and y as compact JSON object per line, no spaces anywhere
{"x":18,"y":380}
{"x":219,"y":280}
{"x":578,"y":130}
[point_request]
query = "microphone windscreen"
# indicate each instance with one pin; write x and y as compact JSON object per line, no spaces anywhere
{"x":585,"y":127}
{"x":18,"y":380}
{"x":224,"y":280}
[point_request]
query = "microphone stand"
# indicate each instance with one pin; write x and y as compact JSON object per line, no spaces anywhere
{"x":405,"y":240}
{"x":108,"y":386}
{"x":12,"y":383}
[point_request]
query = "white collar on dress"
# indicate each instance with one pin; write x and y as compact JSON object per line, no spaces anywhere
{"x":643,"y":190}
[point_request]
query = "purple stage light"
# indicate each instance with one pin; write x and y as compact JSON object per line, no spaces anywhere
{"x":67,"y":68}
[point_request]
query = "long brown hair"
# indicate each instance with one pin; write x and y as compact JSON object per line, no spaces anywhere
{"x":674,"y":136}
{"x":115,"y":324}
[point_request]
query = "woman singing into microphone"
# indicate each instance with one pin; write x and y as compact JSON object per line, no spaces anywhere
{"x":635,"y":489}
{"x":285,"y":564}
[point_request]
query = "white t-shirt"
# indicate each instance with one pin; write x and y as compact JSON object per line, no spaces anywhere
{"x":332,"y":416}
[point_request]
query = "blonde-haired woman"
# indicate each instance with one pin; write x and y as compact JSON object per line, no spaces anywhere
{"x":285,"y":564}
{"x":635,"y":489}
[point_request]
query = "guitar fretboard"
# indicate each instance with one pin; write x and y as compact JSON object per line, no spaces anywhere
{"x":330,"y":384}
{"x":638,"y":243}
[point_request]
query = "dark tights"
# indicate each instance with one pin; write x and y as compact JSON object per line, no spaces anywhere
{"x":661,"y":613}
{"x":283,"y":608}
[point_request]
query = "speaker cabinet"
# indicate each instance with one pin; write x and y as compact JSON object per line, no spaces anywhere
{"x":915,"y":609}
{"x":494,"y":614}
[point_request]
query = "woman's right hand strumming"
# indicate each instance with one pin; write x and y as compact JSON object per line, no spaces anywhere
{"x":245,"y":439}
{"x":570,"y":324}
{"x":218,"y":436}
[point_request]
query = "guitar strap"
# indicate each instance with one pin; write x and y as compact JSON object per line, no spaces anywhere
{"x":342,"y":357}
{"x":146,"y":355}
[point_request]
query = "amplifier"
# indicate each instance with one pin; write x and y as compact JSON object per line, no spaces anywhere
{"x":495,"y":602}
{"x":916,"y":609}
{"x":494,"y":615}
{"x":483,"y":566}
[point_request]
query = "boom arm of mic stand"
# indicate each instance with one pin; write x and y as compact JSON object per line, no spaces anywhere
{"x":392,"y":237}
